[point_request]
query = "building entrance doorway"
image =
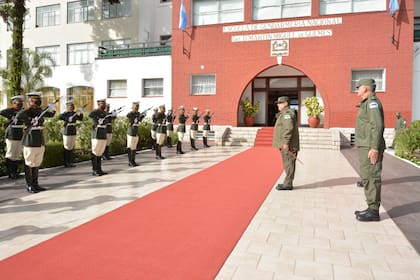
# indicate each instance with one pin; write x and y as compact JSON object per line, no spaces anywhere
{"x":273,"y":95}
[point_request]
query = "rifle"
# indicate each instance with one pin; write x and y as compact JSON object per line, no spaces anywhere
{"x":74,"y":114}
{"x":118,"y":110}
{"x":145,"y":111}
{"x":35,"y":120}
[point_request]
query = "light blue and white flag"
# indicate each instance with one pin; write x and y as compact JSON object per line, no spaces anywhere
{"x":393,"y":7}
{"x":182,"y":17}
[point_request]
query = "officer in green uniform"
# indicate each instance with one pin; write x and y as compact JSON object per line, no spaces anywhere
{"x":170,"y":118}
{"x":33,"y":139}
{"x":286,"y":138}
{"x":400,"y":124}
{"x":100,"y":119}
{"x":182,"y":120}
{"x":206,"y":127}
{"x":134,"y":119}
{"x":370,"y":144}
{"x":195,"y":118}
{"x":160,"y":131}
{"x":14,"y":133}
{"x":69,"y":130}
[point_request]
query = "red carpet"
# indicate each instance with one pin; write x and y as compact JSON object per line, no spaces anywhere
{"x":183,"y":231}
{"x":264,"y":137}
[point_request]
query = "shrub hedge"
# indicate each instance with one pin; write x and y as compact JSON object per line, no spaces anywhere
{"x":407,"y":143}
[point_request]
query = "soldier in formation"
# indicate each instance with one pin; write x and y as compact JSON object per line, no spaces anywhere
{"x":195,"y":118}
{"x":170,"y":118}
{"x":14,"y":133}
{"x":160,"y":131}
{"x":153,"y":128}
{"x":206,"y":127}
{"x":69,"y":130}
{"x":33,"y":139}
{"x":106,"y":155}
{"x":134,"y":119}
{"x":182,"y":119}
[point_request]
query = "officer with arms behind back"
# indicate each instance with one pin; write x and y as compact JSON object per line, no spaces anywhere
{"x":14,"y":133}
{"x":286,"y":138}
{"x":370,"y":144}
{"x":33,"y":139}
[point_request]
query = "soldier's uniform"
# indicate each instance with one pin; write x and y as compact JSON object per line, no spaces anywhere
{"x":160,"y":131}
{"x":153,"y":128}
{"x":14,"y":133}
{"x":170,"y":118}
{"x":33,"y":139}
{"x":105,"y":155}
{"x":369,"y":139}
{"x":206,"y":127}
{"x":100,"y":119}
{"x":182,"y":120}
{"x":286,"y":138}
{"x":134,"y":118}
{"x":69,"y":131}
{"x":195,"y":118}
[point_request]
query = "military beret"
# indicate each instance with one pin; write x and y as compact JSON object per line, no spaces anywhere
{"x":36,"y":94}
{"x":282,"y":99}
{"x":69,"y":103}
{"x":101,"y":100}
{"x":195,"y":109}
{"x":19,"y":97}
{"x":366,"y":82}
{"x":181,"y":107}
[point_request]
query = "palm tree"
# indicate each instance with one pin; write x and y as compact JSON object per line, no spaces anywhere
{"x":35,"y":68}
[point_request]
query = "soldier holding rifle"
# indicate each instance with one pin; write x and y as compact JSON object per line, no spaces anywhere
{"x":160,"y":131}
{"x":182,"y":119}
{"x":106,"y":155}
{"x":14,"y":133}
{"x":100,"y":119}
{"x":206,"y":127}
{"x":153,"y":128}
{"x":33,"y":139}
{"x":170,"y":118}
{"x":69,"y":134}
{"x":195,"y":118}
{"x":134,"y":118}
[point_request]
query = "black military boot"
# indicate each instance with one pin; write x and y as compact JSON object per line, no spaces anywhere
{"x":15,"y":169}
{"x":129,"y":156}
{"x":94,"y":165}
{"x":205,"y":142}
{"x":67,"y":159}
{"x":9,"y":168}
{"x":99,"y":170}
{"x":35,"y":183}
{"x":193,"y":147}
{"x":179,"y":148}
{"x":159,"y":152}
{"x":370,"y":215}
{"x":153,"y":144}
{"x":106,"y":155}
{"x":133,"y":158}
{"x":28,"y":179}
{"x":169,"y":141}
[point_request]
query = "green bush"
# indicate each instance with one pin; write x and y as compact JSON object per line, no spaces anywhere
{"x":407,"y":143}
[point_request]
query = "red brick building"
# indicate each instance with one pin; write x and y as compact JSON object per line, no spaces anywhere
{"x":314,"y":47}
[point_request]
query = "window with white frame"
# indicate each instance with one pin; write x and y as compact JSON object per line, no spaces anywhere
{"x":116,"y":44}
{"x":329,"y":7}
{"x":83,"y":53}
{"x":417,"y":29}
{"x":217,"y":11}
{"x":80,"y":11}
{"x":152,"y":87}
{"x":377,"y":74}
{"x":117,"y":88}
{"x":122,"y":9}
{"x":52,"y":51}
{"x":203,"y":84}
{"x":48,"y":15}
{"x":271,"y":9}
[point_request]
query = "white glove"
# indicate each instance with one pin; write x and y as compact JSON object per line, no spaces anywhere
{"x":70,"y":118}
{"x":51,"y":107}
{"x":100,"y":121}
{"x":34,"y":121}
{"x":114,"y":113}
{"x":80,"y":110}
{"x":136,"y":120}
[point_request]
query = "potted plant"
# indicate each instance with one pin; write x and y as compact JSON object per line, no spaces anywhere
{"x":249,"y":111}
{"x":313,"y":110}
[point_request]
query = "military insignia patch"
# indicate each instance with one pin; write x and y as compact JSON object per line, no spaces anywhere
{"x":373,"y":105}
{"x":287,"y":117}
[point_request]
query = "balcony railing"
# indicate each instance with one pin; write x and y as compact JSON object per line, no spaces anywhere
{"x":135,"y":50}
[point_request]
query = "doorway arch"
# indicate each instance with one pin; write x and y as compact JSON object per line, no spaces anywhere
{"x":276,"y":81}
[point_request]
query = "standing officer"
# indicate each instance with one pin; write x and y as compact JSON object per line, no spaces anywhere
{"x":69,"y":134}
{"x":14,"y":133}
{"x":170,"y":118}
{"x":134,"y":118}
{"x":286,"y":138}
{"x":206,"y":127}
{"x":370,"y":144}
{"x":160,"y":131}
{"x":154,"y":127}
{"x":33,"y":139}
{"x":106,"y":155}
{"x":400,"y":124}
{"x":182,"y":119}
{"x":100,"y":119}
{"x":195,"y":118}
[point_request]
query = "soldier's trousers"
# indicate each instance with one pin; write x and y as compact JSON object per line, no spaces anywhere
{"x":289,"y":165}
{"x":371,"y":177}
{"x":13,"y":149}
